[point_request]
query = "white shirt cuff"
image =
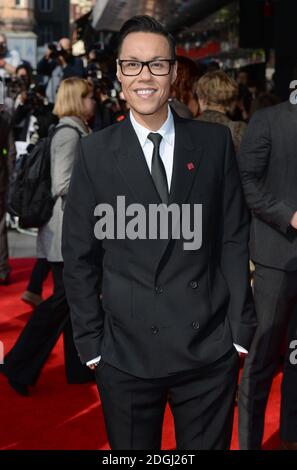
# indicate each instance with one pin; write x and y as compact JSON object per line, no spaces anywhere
{"x":93,"y":361}
{"x":240,"y":349}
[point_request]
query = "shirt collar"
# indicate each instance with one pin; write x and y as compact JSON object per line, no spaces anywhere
{"x":166,"y":130}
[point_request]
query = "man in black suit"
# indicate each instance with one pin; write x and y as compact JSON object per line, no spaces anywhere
{"x":268,"y":167}
{"x":169,"y":314}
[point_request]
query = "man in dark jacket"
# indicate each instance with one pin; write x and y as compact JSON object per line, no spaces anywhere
{"x":7,"y":158}
{"x":169,"y":317}
{"x":268,"y":167}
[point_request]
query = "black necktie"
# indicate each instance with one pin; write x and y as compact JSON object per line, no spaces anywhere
{"x":158,"y":171}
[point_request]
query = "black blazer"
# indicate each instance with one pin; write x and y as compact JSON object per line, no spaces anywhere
{"x":164,"y":309}
{"x":268,"y":168}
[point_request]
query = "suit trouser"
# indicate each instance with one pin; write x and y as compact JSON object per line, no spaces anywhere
{"x":201,"y":401}
{"x":275,"y":293}
{"x":38,"y":276}
{"x":26,"y":359}
{"x":4,"y":267}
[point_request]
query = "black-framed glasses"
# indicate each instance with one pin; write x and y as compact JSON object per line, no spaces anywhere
{"x":159,"y":67}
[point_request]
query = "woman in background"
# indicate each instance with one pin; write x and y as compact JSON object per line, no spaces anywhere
{"x":183,"y":96}
{"x":23,"y":364}
{"x":217,"y":94}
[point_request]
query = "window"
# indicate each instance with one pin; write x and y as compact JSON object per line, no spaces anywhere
{"x":45,"y":5}
{"x":46,"y":34}
{"x":18,"y":3}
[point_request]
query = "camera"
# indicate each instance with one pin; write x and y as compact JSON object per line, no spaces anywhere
{"x":54,"y":51}
{"x":14,"y":86}
{"x":57,"y":51}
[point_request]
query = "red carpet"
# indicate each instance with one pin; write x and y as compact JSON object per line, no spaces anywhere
{"x":62,"y":416}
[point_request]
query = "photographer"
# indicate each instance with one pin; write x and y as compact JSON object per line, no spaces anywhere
{"x":58,"y":64}
{"x":15,"y":85}
{"x":33,"y":116}
{"x":22,"y":82}
{"x":109,"y":108}
{"x":9,"y":60}
{"x":93,"y":68}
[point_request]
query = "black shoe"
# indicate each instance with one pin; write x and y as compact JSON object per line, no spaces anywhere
{"x":2,"y":370}
{"x":21,"y":389}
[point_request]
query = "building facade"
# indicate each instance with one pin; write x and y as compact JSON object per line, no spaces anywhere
{"x":16,"y":15}
{"x":52,"y":19}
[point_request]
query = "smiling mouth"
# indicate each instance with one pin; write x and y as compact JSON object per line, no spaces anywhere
{"x":145,"y":92}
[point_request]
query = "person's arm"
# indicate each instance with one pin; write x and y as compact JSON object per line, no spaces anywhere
{"x":235,"y":253}
{"x":10,"y":62}
{"x":10,"y":69}
{"x":63,"y":150}
{"x":82,"y":255}
{"x":253,"y":159}
{"x":46,"y":66}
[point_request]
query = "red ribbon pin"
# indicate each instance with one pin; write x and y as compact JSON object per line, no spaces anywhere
{"x":190,"y":166}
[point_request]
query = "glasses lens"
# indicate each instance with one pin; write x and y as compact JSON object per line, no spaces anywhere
{"x":131,"y":67}
{"x":160,"y":67}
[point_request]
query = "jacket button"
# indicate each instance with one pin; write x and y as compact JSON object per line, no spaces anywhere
{"x":155,"y":330}
{"x":194,"y":284}
{"x":159,"y":289}
{"x":195,"y":325}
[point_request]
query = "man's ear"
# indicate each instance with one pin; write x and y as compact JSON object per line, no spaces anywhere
{"x":174,"y":73}
{"x":118,"y":74}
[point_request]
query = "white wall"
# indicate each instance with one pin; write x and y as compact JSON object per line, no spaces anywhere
{"x":25,"y":43}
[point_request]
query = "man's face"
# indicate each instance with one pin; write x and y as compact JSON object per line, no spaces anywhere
{"x":23,"y":75}
{"x":65,"y":44}
{"x":146,"y":93}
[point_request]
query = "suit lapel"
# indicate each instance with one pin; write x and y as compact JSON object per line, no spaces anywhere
{"x":133,"y":167}
{"x":185,"y":162}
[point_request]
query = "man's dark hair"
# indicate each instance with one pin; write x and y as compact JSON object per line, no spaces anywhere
{"x":145,"y":24}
